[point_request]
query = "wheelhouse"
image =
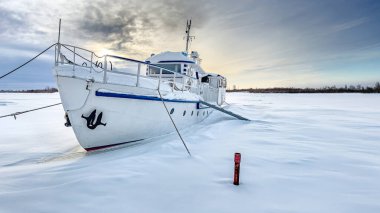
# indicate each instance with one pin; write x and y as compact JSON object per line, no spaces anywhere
{"x":170,"y":62}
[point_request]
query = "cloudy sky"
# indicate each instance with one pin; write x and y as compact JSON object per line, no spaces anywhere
{"x":256,"y":43}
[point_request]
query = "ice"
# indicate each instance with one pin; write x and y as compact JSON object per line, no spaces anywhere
{"x":300,"y":153}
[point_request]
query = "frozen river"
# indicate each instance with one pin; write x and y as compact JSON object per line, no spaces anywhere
{"x":300,"y":153}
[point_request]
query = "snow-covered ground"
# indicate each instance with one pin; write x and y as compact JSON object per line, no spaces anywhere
{"x":301,"y":153}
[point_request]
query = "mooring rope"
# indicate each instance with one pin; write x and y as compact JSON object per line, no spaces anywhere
{"x":14,"y":70}
{"x":30,"y":110}
{"x":175,"y":126}
{"x":27,"y":61}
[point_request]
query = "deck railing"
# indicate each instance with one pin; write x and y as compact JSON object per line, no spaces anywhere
{"x":81,"y":57}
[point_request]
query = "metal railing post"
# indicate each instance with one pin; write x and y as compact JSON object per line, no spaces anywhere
{"x":174,"y":77}
{"x":59,"y":52}
{"x":55,"y":55}
{"x":105,"y":70}
{"x":138,"y":74}
{"x":74,"y":60}
{"x":159,"y":79}
{"x":92,"y":55}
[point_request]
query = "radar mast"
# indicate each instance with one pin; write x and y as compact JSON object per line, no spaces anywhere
{"x":189,"y":38}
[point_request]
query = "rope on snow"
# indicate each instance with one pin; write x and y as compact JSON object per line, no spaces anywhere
{"x":31,"y":110}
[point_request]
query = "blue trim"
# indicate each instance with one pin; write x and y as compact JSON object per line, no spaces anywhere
{"x":140,"y":97}
{"x":177,"y":61}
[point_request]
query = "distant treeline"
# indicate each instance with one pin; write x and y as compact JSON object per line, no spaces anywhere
{"x":46,"y":90}
{"x":333,"y":89}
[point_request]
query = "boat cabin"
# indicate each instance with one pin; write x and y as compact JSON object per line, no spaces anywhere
{"x":178,"y":62}
{"x":171,"y":63}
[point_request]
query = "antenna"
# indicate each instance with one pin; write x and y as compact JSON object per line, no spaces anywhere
{"x":189,"y":38}
{"x":58,"y":43}
{"x":59,"y":31}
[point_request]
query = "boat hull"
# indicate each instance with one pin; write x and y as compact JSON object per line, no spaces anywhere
{"x":104,"y":115}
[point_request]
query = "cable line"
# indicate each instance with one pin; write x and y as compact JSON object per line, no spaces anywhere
{"x":31,"y":110}
{"x":27,"y":61}
{"x":179,"y":134}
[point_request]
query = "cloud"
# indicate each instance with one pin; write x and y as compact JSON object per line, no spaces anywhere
{"x":11,"y":21}
{"x":350,"y":24}
{"x":129,"y":25}
{"x":121,"y":25}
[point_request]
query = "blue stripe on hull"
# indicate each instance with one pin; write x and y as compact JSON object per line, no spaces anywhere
{"x":139,"y":97}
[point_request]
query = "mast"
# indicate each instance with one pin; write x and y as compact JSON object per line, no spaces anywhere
{"x":59,"y":31}
{"x":58,"y":43}
{"x":189,"y":38}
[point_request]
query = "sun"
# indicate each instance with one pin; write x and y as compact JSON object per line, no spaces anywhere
{"x":104,"y":51}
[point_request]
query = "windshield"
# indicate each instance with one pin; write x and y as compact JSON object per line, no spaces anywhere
{"x":171,"y":67}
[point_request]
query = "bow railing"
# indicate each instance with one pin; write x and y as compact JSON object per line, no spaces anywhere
{"x":117,"y":65}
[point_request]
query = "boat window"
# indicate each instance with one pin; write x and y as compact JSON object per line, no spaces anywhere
{"x":223,"y":83}
{"x":198,"y":113}
{"x":192,"y":112}
{"x":171,"y":67}
{"x":184,"y":113}
{"x":205,"y":79}
{"x":172,"y":111}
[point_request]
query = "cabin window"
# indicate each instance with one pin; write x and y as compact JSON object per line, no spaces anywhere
{"x":172,"y":111}
{"x":171,"y":67}
{"x":205,"y":79}
{"x":184,"y":113}
{"x":224,"y":83}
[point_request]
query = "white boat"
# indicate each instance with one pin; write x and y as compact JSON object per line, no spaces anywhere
{"x":111,"y":100}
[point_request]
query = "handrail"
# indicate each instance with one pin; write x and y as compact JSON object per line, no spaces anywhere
{"x":122,"y":58}
{"x":82,"y":49}
{"x":161,"y":76}
{"x":75,"y":53}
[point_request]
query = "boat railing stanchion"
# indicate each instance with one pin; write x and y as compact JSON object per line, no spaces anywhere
{"x":138,"y":74}
{"x":55,"y":55}
{"x":173,"y":82}
{"x":58,"y":52}
{"x":159,"y":79}
{"x":92,"y":55}
{"x":74,"y":60}
{"x":105,"y":70}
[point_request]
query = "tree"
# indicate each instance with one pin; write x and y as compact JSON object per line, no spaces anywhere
{"x":377,"y":87}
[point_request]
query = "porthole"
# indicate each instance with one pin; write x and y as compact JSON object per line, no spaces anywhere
{"x":184,"y":113}
{"x":198,"y":113}
{"x":172,"y":111}
{"x":192,"y":112}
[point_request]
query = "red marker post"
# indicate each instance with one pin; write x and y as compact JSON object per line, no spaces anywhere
{"x":237,"y":168}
